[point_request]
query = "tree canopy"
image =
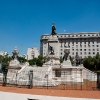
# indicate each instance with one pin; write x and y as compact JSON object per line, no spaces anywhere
{"x":37,"y":61}
{"x":92,"y":63}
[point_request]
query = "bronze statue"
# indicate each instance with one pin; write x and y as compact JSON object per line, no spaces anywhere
{"x":53,"y":29}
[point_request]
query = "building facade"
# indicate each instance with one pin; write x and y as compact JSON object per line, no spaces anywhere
{"x":32,"y":53}
{"x":84,"y":43}
{"x":4,"y":53}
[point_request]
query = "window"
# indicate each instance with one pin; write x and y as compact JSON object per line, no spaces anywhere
{"x":93,"y":42}
{"x":85,"y":53}
{"x":81,"y":53}
{"x":68,"y":35}
{"x":89,"y":53}
{"x":84,"y":49}
{"x":76,"y":49}
{"x":89,"y":49}
{"x":61,"y":53}
{"x":96,"y":34}
{"x":93,"y":52}
{"x":97,"y":49}
{"x":88,"y":43}
{"x":89,"y":46}
{"x":93,"y":49}
{"x":80,"y":49}
{"x":72,"y":43}
{"x":57,"y":73}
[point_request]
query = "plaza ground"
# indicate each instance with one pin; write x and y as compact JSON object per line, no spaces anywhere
{"x":52,"y":92}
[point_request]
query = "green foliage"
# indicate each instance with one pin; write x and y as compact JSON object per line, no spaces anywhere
{"x":92,"y":63}
{"x":21,"y":59}
{"x":72,"y":60}
{"x":38,"y":61}
{"x":61,"y":59}
{"x":4,"y":60}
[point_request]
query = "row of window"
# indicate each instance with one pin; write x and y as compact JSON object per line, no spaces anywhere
{"x":78,"y":35}
{"x":80,"y":40}
{"x":89,"y":53}
{"x":83,"y":53}
{"x":79,"y":45}
{"x":74,"y":35}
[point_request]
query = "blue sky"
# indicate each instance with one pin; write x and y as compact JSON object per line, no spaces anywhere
{"x":22,"y":22}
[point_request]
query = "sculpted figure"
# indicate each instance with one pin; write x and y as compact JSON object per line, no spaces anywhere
{"x":51,"y":49}
{"x":66,"y":55}
{"x":53,"y":29}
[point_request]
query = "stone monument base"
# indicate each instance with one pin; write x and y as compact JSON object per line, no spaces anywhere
{"x":14,"y":64}
{"x":66,"y":64}
{"x":52,"y":60}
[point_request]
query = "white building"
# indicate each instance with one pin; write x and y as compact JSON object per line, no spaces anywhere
{"x":32,"y":53}
{"x":3,"y":53}
{"x":84,"y":43}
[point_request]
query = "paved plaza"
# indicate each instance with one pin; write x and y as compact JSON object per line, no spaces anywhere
{"x":18,"y":96}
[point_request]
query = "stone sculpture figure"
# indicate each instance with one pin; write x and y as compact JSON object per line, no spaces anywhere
{"x":15,"y":53}
{"x":66,"y":55}
{"x":51,"y":50}
{"x":53,"y":29}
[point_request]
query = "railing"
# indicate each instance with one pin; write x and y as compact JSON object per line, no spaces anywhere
{"x":62,"y":79}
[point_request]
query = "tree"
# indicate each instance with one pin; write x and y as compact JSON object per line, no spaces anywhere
{"x":4,"y":60}
{"x":72,"y":60}
{"x":92,"y":63}
{"x":61,"y":59}
{"x":38,"y":61}
{"x":21,"y":59}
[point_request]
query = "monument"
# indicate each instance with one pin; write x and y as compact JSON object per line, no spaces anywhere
{"x":14,"y":63}
{"x":53,"y":50}
{"x":66,"y":58}
{"x":52,"y":73}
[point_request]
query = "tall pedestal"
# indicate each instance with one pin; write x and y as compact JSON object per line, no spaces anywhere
{"x":53,"y":59}
{"x":53,"y":42}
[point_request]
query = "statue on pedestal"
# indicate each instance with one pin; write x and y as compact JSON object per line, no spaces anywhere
{"x":53,"y":29}
{"x":15,"y":53}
